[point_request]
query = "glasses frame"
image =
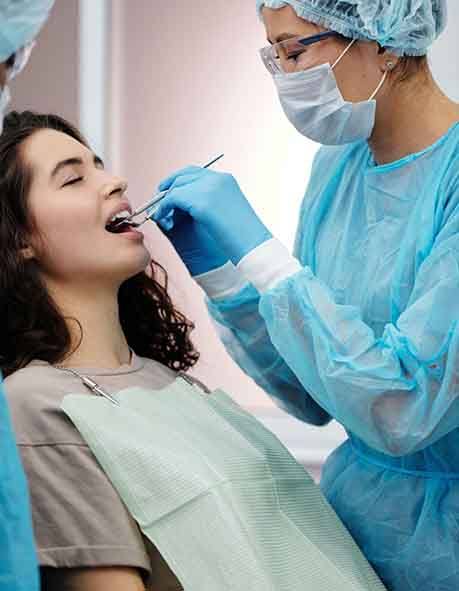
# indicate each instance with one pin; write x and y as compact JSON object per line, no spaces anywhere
{"x":270,"y":62}
{"x":17,"y":62}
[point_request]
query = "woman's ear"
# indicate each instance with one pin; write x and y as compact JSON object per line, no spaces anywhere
{"x":28,"y":253}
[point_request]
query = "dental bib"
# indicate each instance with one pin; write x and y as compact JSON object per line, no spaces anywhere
{"x":219,"y":496}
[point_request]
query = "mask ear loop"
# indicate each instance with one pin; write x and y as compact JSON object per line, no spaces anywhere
{"x":383,"y":79}
{"x":343,"y":54}
{"x":380,"y":85}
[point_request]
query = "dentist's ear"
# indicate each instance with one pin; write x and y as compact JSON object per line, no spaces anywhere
{"x":388,"y":61}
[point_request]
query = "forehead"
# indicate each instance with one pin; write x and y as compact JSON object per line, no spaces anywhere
{"x":285,"y":20}
{"x":46,"y":147}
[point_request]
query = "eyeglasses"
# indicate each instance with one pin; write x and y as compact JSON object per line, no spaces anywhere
{"x":18,"y":60}
{"x":291,"y":55}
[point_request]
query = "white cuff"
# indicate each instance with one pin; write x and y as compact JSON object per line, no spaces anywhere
{"x":223,"y":282}
{"x":268,"y":264}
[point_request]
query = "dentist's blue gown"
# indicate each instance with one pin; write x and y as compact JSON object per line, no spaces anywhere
{"x":18,"y":562}
{"x":367,"y":333}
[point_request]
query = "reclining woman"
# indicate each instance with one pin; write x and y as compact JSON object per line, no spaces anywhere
{"x":74,"y":296}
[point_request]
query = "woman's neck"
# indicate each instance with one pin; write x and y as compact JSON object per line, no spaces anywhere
{"x":92,"y":318}
{"x":112,"y":357}
{"x":411,"y":116}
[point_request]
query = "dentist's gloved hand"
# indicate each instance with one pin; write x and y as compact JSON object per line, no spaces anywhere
{"x":217,"y":205}
{"x":193,"y":244}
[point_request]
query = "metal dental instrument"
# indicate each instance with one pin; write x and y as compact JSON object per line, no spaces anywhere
{"x":91,"y":385}
{"x":154,"y":201}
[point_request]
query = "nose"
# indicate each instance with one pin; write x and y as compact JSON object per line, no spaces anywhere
{"x":116,"y":187}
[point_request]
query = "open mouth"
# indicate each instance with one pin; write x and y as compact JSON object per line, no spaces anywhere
{"x":118,"y":224}
{"x":120,"y":227}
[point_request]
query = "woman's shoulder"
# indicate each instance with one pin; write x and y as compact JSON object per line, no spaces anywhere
{"x":36,"y":377}
{"x":34,"y":395}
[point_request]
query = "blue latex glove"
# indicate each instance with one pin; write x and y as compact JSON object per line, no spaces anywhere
{"x":217,"y":205}
{"x":194,"y":245}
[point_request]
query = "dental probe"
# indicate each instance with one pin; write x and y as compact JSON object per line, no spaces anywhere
{"x":155,"y":200}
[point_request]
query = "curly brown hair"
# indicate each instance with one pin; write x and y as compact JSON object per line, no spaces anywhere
{"x":32,"y":325}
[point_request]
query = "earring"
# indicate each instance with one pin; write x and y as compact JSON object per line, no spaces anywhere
{"x":27,"y":253}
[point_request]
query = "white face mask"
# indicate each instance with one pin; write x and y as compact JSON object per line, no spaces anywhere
{"x":313,"y":103}
{"x":5,"y":98}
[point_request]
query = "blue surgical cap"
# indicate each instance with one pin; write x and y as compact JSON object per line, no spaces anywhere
{"x":406,"y":27}
{"x":20,"y":22}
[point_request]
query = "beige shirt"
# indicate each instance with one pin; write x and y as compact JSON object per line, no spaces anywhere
{"x":79,"y":519}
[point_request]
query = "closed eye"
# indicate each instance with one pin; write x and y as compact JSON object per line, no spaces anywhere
{"x":295,"y":54}
{"x":73,"y":181}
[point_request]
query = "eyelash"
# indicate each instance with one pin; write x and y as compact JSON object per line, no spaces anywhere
{"x":73,"y":181}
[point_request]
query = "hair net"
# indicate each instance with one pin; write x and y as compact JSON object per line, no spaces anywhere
{"x":407,"y":27}
{"x":20,"y":22}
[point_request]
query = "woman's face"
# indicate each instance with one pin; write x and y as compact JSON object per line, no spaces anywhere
{"x":357,"y":74}
{"x":71,"y":199}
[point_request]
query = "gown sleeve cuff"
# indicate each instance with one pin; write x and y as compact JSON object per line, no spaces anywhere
{"x":224,"y":282}
{"x":268,"y":264}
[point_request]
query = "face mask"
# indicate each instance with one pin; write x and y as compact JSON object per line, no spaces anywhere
{"x":314,"y":105}
{"x":5,"y":98}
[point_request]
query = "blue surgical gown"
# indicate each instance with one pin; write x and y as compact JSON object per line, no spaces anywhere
{"x":367,"y":333}
{"x":18,"y":563}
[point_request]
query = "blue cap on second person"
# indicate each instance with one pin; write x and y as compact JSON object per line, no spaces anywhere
{"x":20,"y":22}
{"x":406,"y":27}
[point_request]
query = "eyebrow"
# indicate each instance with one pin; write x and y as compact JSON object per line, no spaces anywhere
{"x":283,"y":37}
{"x":73,"y":162}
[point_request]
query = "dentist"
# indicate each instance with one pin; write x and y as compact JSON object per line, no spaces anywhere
{"x":360,"y":325}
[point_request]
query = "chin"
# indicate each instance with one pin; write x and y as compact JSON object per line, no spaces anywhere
{"x":137,"y":264}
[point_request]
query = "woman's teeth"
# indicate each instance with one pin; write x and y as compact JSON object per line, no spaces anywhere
{"x":120,"y":215}
{"x":116,"y":225}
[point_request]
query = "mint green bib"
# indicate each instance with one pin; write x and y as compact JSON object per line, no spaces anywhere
{"x":221,"y":498}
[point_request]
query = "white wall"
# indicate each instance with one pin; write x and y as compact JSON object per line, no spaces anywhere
{"x":445,"y":54}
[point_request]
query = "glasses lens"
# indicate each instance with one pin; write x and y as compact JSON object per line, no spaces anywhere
{"x":292,"y":55}
{"x":285,"y":57}
{"x":19,"y":61}
{"x":269,"y":60}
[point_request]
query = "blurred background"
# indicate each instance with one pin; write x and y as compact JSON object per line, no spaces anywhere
{"x":156,"y":86}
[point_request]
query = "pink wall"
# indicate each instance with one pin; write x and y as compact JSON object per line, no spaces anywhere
{"x":186,"y":74}
{"x":165,"y":114}
{"x":50,"y":81}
